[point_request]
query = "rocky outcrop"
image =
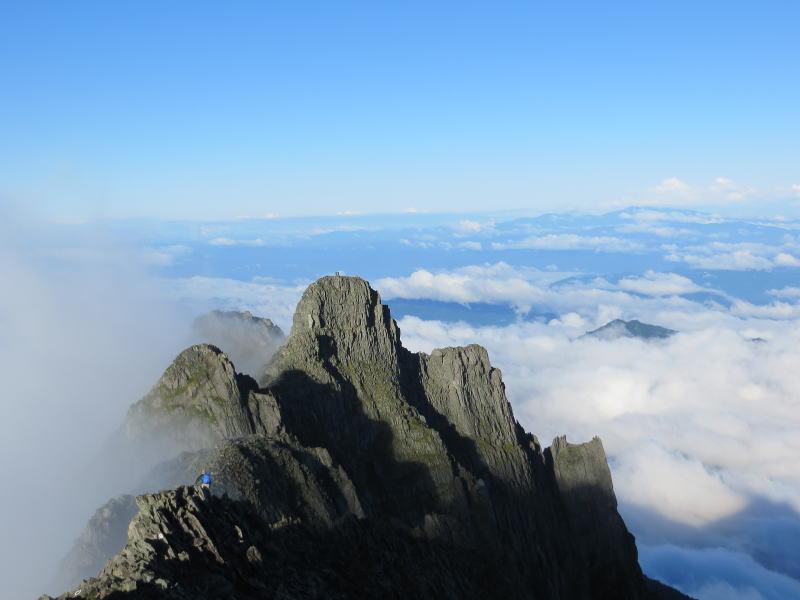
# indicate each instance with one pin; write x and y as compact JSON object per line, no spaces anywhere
{"x":185,"y":544}
{"x":250,"y":341}
{"x":354,"y":442}
{"x":104,"y":536}
{"x":630,"y":329}
{"x":608,"y":551}
{"x":198,"y":401}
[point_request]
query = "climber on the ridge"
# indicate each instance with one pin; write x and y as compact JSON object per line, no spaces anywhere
{"x":203,"y":479}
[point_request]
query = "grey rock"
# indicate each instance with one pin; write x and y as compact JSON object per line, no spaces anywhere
{"x":356,"y":443}
{"x":188,"y":544}
{"x":198,"y":401}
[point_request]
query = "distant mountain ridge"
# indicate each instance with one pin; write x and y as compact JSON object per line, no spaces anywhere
{"x":632,"y":329}
{"x":354,"y":468}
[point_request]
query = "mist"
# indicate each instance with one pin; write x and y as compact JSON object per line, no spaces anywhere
{"x":85,"y":332}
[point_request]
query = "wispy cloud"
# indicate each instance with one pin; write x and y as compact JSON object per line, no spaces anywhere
{"x":673,"y":191}
{"x":570,"y":241}
{"x":740,"y":256}
{"x":223,"y":241}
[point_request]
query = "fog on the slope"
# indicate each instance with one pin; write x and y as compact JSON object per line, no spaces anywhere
{"x":248,"y":341}
{"x":84,"y":334}
{"x":702,"y":432}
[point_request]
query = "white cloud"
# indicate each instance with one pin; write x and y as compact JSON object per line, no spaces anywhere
{"x":681,"y":487}
{"x":596,"y":300}
{"x":738,"y":260}
{"x":713,"y":413}
{"x":650,"y":215}
{"x":774,"y":310}
{"x":461,"y":285}
{"x":676,"y":192}
{"x":662,"y":231}
{"x":570,"y":320}
{"x":787,"y":292}
{"x":783,"y":259}
{"x":273,"y":301}
{"x":659,"y":284}
{"x":716,"y":573}
{"x":741,"y":256}
{"x":570,"y":241}
{"x":223,"y":241}
{"x":81,"y":341}
{"x":471,"y":245}
{"x":673,"y":185}
{"x":165,"y":255}
{"x":468,"y":226}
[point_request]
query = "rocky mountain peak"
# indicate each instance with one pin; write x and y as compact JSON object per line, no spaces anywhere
{"x":353,"y":446}
{"x":341,"y":317}
{"x":198,"y":400}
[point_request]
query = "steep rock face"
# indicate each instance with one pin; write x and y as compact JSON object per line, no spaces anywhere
{"x":608,"y":552}
{"x":282,"y":480}
{"x":198,"y":401}
{"x":360,"y":443}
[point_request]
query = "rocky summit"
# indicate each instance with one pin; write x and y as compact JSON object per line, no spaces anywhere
{"x":354,"y":468}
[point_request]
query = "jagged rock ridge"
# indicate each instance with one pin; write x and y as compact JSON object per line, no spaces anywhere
{"x":353,"y":437}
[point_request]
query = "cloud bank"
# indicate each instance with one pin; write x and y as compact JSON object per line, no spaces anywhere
{"x":702,"y":429}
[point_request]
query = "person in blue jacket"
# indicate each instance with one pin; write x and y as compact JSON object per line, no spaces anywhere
{"x":203,"y":479}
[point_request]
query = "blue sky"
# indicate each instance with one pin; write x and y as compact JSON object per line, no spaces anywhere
{"x":198,"y":110}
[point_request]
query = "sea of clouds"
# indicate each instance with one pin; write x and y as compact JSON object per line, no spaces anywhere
{"x":702,"y":429}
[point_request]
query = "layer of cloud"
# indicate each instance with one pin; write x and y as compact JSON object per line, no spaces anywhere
{"x":716,"y":574}
{"x":673,"y":191}
{"x":699,"y":428}
{"x":741,"y":256}
{"x":570,"y":241}
{"x":223,"y":241}
{"x":659,"y":284}
{"x":85,"y":334}
{"x":596,"y":299}
{"x":272,"y":300}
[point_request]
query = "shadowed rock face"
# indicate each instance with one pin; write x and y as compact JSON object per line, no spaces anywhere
{"x":356,"y":443}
